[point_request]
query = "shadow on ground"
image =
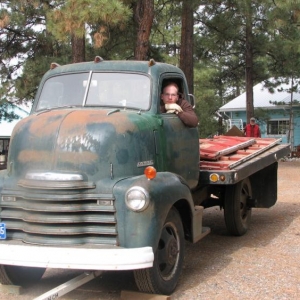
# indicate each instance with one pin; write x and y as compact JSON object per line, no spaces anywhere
{"x":202,"y":260}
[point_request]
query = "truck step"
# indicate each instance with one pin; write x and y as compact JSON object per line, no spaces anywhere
{"x":199,"y":232}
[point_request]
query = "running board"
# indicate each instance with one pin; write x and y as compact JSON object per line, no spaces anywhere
{"x":69,"y":285}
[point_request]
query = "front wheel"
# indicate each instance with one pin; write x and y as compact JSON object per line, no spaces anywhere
{"x":17,"y":275}
{"x":237,"y":212}
{"x":162,"y":278}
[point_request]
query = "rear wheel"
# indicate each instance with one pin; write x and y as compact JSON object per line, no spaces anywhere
{"x":162,"y":278}
{"x":17,"y":275}
{"x":237,"y":212}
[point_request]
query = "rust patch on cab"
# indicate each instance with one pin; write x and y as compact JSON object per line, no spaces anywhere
{"x":47,"y":123}
{"x":26,"y":156}
{"x":78,"y":157}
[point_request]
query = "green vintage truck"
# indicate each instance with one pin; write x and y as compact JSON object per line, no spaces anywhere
{"x":98,"y":178}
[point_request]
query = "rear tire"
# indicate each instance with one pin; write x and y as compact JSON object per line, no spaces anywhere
{"x":237,"y":213}
{"x":22,"y":276}
{"x":163,"y":277}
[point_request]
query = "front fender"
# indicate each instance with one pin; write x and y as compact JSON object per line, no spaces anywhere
{"x":140,"y":229}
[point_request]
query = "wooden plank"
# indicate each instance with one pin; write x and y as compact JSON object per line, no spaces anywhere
{"x":212,"y":149}
{"x":130,"y":295}
{"x":11,"y":289}
{"x":221,"y":153}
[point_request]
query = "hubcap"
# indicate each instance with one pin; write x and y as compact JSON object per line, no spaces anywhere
{"x":172,"y":251}
{"x":168,"y":251}
{"x":243,"y":203}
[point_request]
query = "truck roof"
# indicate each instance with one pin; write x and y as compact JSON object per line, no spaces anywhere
{"x":147,"y":67}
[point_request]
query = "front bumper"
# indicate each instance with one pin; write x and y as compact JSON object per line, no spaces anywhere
{"x":76,"y":258}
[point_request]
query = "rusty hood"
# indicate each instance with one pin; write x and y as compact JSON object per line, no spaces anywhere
{"x":98,"y":144}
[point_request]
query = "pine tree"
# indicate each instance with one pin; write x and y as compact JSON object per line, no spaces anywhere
{"x":187,"y":42}
{"x":166,"y":31}
{"x":23,"y":40}
{"x":285,"y":53}
{"x":143,"y":16}
{"x":235,"y":33}
{"x":68,"y":22}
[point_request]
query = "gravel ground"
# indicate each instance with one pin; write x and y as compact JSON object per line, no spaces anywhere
{"x":263,"y":264}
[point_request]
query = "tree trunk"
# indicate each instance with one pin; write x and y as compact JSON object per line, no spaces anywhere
{"x":249,"y":65}
{"x":291,"y":129}
{"x":143,"y":16}
{"x":78,"y":48}
{"x":186,"y":50}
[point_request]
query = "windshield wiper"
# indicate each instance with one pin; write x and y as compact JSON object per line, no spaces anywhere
{"x":113,"y":111}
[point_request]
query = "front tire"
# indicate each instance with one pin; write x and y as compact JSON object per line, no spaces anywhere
{"x":22,"y":276}
{"x":237,"y":212}
{"x":163,"y":277}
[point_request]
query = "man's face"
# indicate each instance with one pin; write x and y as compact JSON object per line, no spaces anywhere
{"x":169,"y":95}
{"x":252,"y":122}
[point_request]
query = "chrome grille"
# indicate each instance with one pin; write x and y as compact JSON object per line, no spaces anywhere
{"x":61,"y":219}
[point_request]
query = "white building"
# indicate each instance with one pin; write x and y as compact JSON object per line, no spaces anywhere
{"x":7,"y":127}
{"x":277,"y":105}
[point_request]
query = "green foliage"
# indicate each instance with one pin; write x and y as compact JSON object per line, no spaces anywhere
{"x":262,"y":115}
{"x":28,"y":49}
{"x":285,"y":48}
{"x":73,"y":16}
{"x":35,"y":33}
{"x":7,"y":112}
{"x":20,"y":41}
{"x":207,"y":101}
{"x":222,"y":39}
{"x":166,"y":31}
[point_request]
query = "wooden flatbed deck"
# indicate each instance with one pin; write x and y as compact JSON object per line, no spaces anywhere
{"x":227,"y":152}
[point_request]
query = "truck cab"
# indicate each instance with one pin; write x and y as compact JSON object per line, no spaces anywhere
{"x":99,"y":179}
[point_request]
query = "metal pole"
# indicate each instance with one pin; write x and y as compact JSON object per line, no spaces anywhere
{"x":69,"y":285}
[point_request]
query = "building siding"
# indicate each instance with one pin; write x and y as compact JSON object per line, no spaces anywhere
{"x":274,"y":114}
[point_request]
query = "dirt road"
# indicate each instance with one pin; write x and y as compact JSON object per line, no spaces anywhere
{"x":263,"y":264}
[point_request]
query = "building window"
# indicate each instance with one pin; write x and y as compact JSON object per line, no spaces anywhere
{"x":278,"y":127}
{"x":4,"y":143}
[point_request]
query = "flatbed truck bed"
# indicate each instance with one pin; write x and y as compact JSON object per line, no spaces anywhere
{"x":235,"y":158}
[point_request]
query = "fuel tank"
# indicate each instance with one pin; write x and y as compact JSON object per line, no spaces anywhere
{"x":94,"y":143}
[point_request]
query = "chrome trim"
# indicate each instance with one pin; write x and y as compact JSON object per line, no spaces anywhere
{"x":86,"y":258}
{"x":87,"y":89}
{"x":47,"y":184}
{"x":52,"y":176}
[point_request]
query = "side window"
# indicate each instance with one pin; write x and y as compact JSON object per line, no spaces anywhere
{"x":178,"y":82}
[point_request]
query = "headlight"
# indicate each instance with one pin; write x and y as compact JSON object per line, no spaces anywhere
{"x":137,"y":198}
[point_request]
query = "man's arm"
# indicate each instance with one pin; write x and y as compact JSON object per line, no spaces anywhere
{"x":188,"y":115}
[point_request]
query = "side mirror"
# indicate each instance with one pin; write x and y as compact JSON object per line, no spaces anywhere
{"x":192,"y":100}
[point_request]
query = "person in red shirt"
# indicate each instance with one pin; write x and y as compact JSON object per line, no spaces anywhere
{"x":252,"y":129}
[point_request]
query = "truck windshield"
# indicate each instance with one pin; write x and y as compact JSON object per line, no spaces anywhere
{"x":101,"y":89}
